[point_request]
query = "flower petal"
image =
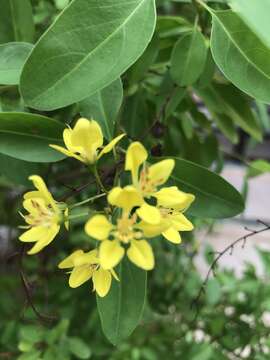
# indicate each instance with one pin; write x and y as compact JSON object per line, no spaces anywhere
{"x":181,"y":223}
{"x":136,"y":155}
{"x":172,"y":235}
{"x":79,"y":275}
{"x":110,"y":254}
{"x":88,"y":136}
{"x":67,"y":152}
{"x":149,"y":214}
{"x":111,"y":145}
{"x":172,"y":197}
{"x":89,"y":258}
{"x":126,"y":198}
{"x":141,"y":254}
{"x":42,"y":188}
{"x":46,"y":240}
{"x":102,"y":280}
{"x":36,"y":233}
{"x":150,"y":230}
{"x":68,"y":262}
{"x":98,"y":227}
{"x":159,"y":173}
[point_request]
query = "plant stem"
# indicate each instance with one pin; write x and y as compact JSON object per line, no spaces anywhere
{"x":98,"y":180}
{"x":93,"y":198}
{"x":72,"y":217}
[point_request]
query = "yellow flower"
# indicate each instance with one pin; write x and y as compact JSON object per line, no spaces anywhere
{"x":148,"y":179}
{"x":125,"y":234}
{"x":171,"y":203}
{"x":44,"y":216}
{"x":151,"y":177}
{"x":83,"y":141}
{"x":86,"y":266}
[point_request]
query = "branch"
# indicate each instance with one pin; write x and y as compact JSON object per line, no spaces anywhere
{"x":230,"y":249}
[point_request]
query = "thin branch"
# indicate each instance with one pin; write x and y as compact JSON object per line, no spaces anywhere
{"x":230,"y":249}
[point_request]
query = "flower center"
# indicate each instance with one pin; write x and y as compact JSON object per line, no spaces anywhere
{"x":147,"y":185}
{"x":43,"y":215}
{"x":125,"y":230}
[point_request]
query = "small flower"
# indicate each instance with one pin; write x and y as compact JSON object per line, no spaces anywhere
{"x":148,"y":180}
{"x":171,"y":202}
{"x":86,"y":266}
{"x":125,"y":234}
{"x":44,"y":216}
{"x":151,"y":177}
{"x":83,"y":141}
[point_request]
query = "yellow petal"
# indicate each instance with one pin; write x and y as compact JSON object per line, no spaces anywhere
{"x":68,"y":262}
{"x":126,"y":198}
{"x":87,"y":135}
{"x":66,"y":223}
{"x":34,"y":234}
{"x":159,"y":173}
{"x":90,"y":258}
{"x":111,"y":145}
{"x":150,"y":230}
{"x":102,"y":280}
{"x":80,"y":275}
{"x":45,"y":241}
{"x":181,"y":223}
{"x":114,"y":275}
{"x":172,"y":235}
{"x":98,"y":227}
{"x":141,"y":254}
{"x":110,"y":254}
{"x":136,"y":155}
{"x":149,"y":214}
{"x":67,"y":152}
{"x":172,"y":197}
{"x":42,"y":188}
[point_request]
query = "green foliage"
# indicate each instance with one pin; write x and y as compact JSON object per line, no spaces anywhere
{"x":27,"y":136}
{"x":114,"y":45}
{"x":12,"y":59}
{"x":121,"y":310}
{"x":222,"y":199}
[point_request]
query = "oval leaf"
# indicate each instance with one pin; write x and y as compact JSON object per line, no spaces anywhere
{"x":240,"y":54}
{"x":188,"y":58}
{"x":121,"y":310}
{"x":215,"y":197}
{"x":12,"y":59}
{"x":88,"y":47}
{"x":103,"y":106}
{"x":16,"y":21}
{"x":27,"y":137}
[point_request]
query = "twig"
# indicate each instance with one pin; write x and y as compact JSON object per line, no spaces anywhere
{"x":230,"y":249}
{"x":26,"y":287}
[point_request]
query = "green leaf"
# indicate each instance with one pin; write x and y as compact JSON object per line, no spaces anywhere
{"x":103,"y":106}
{"x":240,"y":54}
{"x":229,"y":101}
{"x":258,"y":167}
{"x":12,"y":59}
{"x":18,"y":171}
{"x":226,"y":126}
{"x":16,"y":21}
{"x":27,"y":136}
{"x":215,"y":197}
{"x":78,"y":348}
{"x":87,"y":48}
{"x":188,"y":58}
{"x":257,"y":20}
{"x":121,"y":310}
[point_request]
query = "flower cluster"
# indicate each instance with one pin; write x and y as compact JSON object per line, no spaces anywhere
{"x":140,"y":211}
